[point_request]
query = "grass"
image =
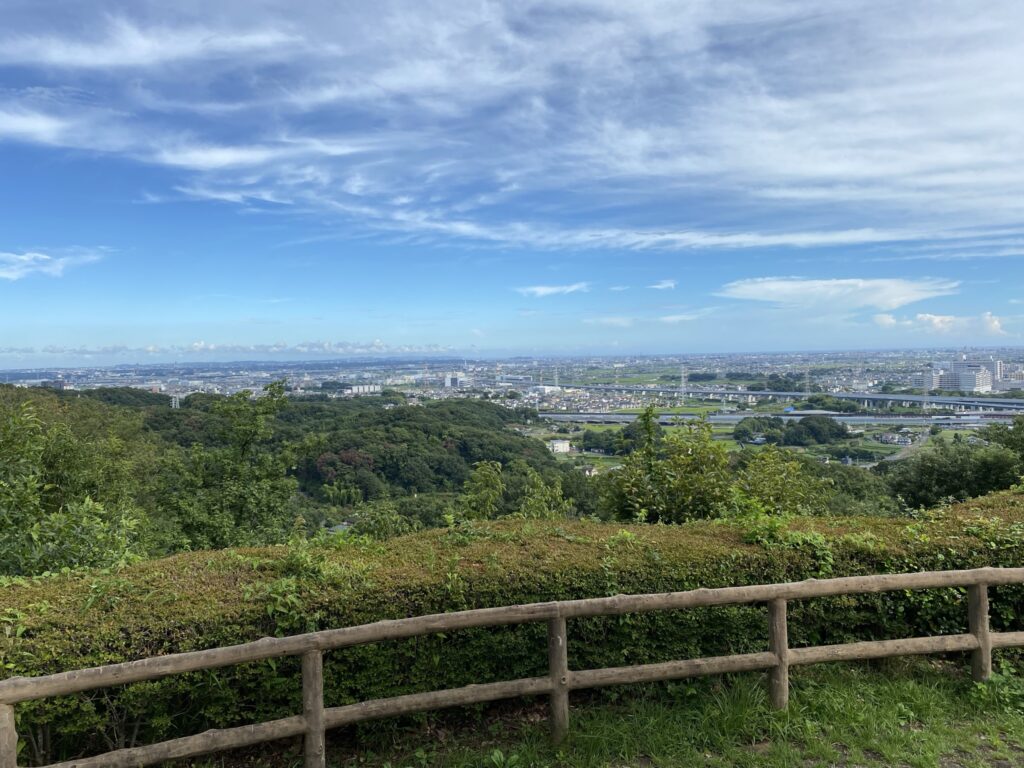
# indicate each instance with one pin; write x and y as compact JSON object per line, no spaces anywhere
{"x":915,"y":713}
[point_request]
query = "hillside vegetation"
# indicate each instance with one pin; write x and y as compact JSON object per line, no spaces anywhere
{"x":207,"y":599}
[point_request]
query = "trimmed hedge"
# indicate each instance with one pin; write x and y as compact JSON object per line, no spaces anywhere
{"x":208,"y":599}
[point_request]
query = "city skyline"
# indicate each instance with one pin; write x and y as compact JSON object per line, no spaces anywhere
{"x":238,"y":181}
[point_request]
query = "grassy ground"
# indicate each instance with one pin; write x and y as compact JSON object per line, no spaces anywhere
{"x":916,"y":713}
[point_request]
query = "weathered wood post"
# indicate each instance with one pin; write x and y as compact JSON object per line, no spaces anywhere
{"x":977,"y":616}
{"x":778,"y":643}
{"x":314,"y":748}
{"x":558,"y":669}
{"x":8,"y":738}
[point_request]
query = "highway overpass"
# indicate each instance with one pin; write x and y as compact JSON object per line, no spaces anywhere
{"x":966,"y":420}
{"x":866,"y":398}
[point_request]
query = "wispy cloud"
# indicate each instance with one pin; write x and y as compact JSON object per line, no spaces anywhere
{"x":126,"y":44}
{"x":663,"y":285}
{"x":541,"y":291}
{"x":16,"y":266}
{"x":27,"y":125}
{"x":986,"y":324}
{"x":491,"y":105}
{"x":839,"y":293}
{"x":686,"y":317}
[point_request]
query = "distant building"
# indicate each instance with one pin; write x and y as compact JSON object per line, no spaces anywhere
{"x":559,"y":446}
{"x":994,"y":367}
{"x":927,"y":380}
{"x":365,"y":389}
{"x":962,"y":375}
{"x":970,"y":378}
{"x":455,"y":380}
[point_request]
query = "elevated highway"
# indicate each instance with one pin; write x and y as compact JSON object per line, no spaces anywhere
{"x":867,"y":398}
{"x":666,"y":419}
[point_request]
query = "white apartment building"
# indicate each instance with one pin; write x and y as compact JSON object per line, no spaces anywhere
{"x":928,"y":379}
{"x":973,"y":378}
{"x":962,"y":374}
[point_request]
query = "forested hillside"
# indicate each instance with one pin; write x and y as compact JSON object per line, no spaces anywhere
{"x":106,"y":477}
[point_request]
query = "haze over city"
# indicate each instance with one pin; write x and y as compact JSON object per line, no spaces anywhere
{"x":283,"y":182}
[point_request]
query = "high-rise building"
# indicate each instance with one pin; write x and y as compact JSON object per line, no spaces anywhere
{"x":928,"y":379}
{"x":994,"y":367}
{"x":962,"y":374}
{"x":967,"y":378}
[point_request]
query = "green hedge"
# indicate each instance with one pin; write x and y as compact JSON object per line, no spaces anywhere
{"x":208,"y":599}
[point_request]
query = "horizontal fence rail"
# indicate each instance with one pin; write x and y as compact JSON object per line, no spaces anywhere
{"x":560,"y":680}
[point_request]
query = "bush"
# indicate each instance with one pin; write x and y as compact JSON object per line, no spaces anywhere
{"x":207,"y":599}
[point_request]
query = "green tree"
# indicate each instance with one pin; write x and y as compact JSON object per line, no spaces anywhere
{"x":238,"y":492}
{"x":773,"y":482}
{"x":637,"y":490}
{"x":482,"y":493}
{"x":1009,"y":436}
{"x":48,"y":515}
{"x":956,"y":470}
{"x":698,"y":474}
{"x":543,"y":500}
{"x":381,"y":520}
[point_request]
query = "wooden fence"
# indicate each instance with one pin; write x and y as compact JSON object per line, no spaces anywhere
{"x":560,"y":680}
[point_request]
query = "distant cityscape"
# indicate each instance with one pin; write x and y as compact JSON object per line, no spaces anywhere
{"x":593,"y":384}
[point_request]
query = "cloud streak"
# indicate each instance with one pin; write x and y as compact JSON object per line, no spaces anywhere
{"x":543,"y":291}
{"x":125,"y":44}
{"x":839,"y":293}
{"x":986,"y":324}
{"x":17,"y":266}
{"x":781,"y":114}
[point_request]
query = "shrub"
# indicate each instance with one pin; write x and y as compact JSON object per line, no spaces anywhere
{"x":208,"y":599}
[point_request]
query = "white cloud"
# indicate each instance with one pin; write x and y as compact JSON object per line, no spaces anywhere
{"x":125,"y":44}
{"x":619,"y":288}
{"x":785,"y":114}
{"x":839,"y":293}
{"x":986,"y":324}
{"x":685,"y":317}
{"x":937,"y":323}
{"x":992,"y":324}
{"x":26,"y":125}
{"x":206,"y":157}
{"x":663,"y":285}
{"x":612,"y":322}
{"x":540,"y":291}
{"x":15,"y":266}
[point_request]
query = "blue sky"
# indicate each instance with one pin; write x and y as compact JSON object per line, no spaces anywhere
{"x":228,"y":179}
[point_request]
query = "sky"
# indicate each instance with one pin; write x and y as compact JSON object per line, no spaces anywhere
{"x":244,"y":179}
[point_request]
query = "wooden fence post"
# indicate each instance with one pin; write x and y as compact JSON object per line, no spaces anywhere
{"x":8,"y":738}
{"x":778,"y":643}
{"x":314,"y":748}
{"x":977,"y":614}
{"x":558,"y":669}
